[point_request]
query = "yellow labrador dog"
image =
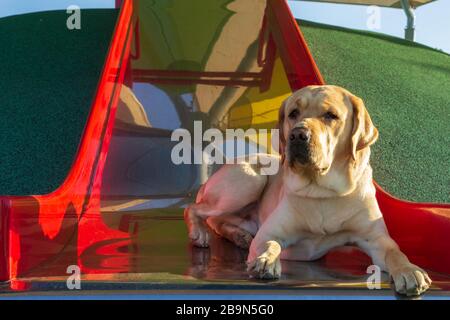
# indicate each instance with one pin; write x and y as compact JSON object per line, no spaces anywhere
{"x":322,"y":197}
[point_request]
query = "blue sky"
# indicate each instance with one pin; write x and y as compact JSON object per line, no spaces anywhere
{"x":13,"y":7}
{"x":432,"y":20}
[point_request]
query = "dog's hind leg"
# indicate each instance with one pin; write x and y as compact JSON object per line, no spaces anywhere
{"x":231,"y":226}
{"x":237,"y":229}
{"x":198,"y":233}
{"x":229,"y":190}
{"x":195,"y":216}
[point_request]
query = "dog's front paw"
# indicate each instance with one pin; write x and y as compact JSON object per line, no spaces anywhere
{"x":410,"y":280}
{"x":265,"y":267}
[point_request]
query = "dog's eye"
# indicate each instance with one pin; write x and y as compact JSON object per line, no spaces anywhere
{"x":330,"y":116}
{"x":294,"y":114}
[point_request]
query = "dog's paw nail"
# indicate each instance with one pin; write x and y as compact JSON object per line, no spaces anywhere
{"x":265,"y":268}
{"x":411,"y":280}
{"x":199,"y":237}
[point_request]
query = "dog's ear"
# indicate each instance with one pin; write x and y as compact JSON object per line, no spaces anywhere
{"x":364,"y":132}
{"x":280,"y":126}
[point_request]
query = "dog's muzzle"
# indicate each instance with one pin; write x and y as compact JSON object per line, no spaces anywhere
{"x":299,"y":145}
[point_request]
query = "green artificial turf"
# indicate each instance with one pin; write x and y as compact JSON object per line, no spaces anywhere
{"x":48,"y":77}
{"x":406,"y":88}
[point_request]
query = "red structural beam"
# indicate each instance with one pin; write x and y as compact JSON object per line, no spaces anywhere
{"x":35,"y":229}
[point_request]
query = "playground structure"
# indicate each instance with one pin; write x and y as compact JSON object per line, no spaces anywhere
{"x":118,"y":215}
{"x":408,"y":7}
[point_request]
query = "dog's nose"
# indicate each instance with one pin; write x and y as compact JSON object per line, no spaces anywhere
{"x":300,"y":134}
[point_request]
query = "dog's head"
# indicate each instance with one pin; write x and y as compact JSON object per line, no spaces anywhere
{"x":322,"y":125}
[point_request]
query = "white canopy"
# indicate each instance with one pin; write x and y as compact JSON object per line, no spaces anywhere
{"x":381,"y":3}
{"x":407,"y":5}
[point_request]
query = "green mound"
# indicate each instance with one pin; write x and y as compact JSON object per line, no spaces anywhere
{"x":48,"y":77}
{"x":406,"y":88}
